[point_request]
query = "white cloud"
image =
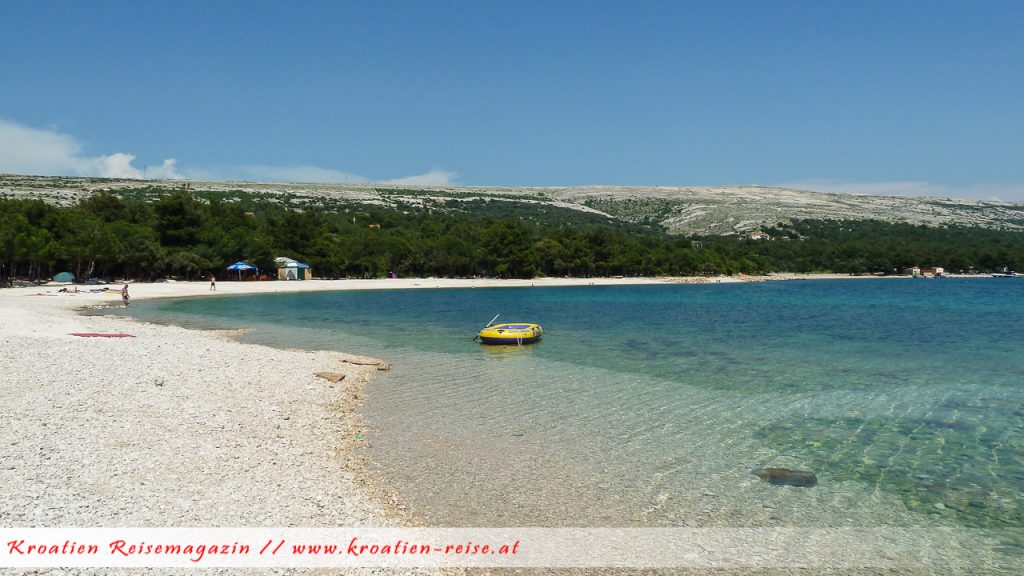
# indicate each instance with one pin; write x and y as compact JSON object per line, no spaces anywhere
{"x":432,"y":178}
{"x":268,"y":173}
{"x":1014,"y":192}
{"x":168,"y":170}
{"x":26,"y":150}
{"x":313,"y":174}
{"x":117,"y":165}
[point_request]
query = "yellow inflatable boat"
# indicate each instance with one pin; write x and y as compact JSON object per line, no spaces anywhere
{"x":513,"y":333}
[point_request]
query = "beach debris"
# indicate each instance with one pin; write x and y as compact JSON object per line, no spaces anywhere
{"x":361,"y":362}
{"x":98,"y":335}
{"x":332,"y":376}
{"x":380,"y":364}
{"x":787,"y":477}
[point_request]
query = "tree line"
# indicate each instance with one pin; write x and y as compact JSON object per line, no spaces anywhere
{"x":186,"y":235}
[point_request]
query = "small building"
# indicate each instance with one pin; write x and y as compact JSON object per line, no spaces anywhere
{"x":288,"y":269}
{"x":375,"y":226}
{"x":914,"y":271}
{"x":760,"y":236}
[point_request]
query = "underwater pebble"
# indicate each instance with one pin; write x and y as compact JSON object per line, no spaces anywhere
{"x":787,"y":477}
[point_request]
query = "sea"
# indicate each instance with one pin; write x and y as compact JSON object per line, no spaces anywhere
{"x":656,"y":405}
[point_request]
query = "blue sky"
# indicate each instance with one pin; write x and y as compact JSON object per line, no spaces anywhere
{"x":875,"y":97}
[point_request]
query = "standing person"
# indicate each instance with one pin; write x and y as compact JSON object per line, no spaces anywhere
{"x":124,"y":295}
{"x":213,"y":283}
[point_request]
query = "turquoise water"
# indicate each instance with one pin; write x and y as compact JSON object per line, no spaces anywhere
{"x":650,"y":405}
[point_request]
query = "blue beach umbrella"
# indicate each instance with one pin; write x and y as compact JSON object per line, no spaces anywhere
{"x":240,"y":266}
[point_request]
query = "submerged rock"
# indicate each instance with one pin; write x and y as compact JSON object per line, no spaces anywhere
{"x":787,"y":477}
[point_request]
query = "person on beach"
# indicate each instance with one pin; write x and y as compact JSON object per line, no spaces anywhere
{"x":124,"y":295}
{"x":213,"y":283}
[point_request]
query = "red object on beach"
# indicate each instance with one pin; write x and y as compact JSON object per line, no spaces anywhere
{"x":98,"y":335}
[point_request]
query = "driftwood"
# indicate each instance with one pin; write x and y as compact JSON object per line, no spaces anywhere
{"x":332,"y":376}
{"x":383,"y":366}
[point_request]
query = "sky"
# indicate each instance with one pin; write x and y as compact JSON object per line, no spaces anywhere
{"x":870,"y":97}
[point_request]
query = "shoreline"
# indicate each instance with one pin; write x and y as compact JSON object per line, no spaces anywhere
{"x":182,"y":427}
{"x":134,"y":406}
{"x":177,"y":289}
{"x":189,"y":427}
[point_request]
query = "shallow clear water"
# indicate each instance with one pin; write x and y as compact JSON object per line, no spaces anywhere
{"x":650,"y":405}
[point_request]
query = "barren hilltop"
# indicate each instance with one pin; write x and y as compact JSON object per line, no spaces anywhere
{"x":691,"y":210}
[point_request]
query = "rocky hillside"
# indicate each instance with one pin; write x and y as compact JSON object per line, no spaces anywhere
{"x":680,"y":210}
{"x":731,"y":209}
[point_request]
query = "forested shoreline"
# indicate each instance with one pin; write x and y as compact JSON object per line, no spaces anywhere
{"x":188,"y":235}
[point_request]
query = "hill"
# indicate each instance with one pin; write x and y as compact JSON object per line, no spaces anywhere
{"x":722,"y":210}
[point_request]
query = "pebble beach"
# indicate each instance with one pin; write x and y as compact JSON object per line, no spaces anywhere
{"x":172,"y":427}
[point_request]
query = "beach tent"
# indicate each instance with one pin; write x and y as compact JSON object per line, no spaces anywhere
{"x":64,"y":277}
{"x":240,"y":267}
{"x":288,"y":269}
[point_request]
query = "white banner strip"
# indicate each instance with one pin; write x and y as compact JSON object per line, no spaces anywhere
{"x":503,"y":547}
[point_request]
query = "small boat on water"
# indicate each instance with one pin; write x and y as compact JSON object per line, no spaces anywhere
{"x":511,"y":333}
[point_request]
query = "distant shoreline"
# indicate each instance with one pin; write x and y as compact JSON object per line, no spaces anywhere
{"x":177,"y":289}
{"x":141,"y":290}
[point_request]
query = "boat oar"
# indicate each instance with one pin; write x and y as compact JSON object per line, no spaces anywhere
{"x":488,"y":324}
